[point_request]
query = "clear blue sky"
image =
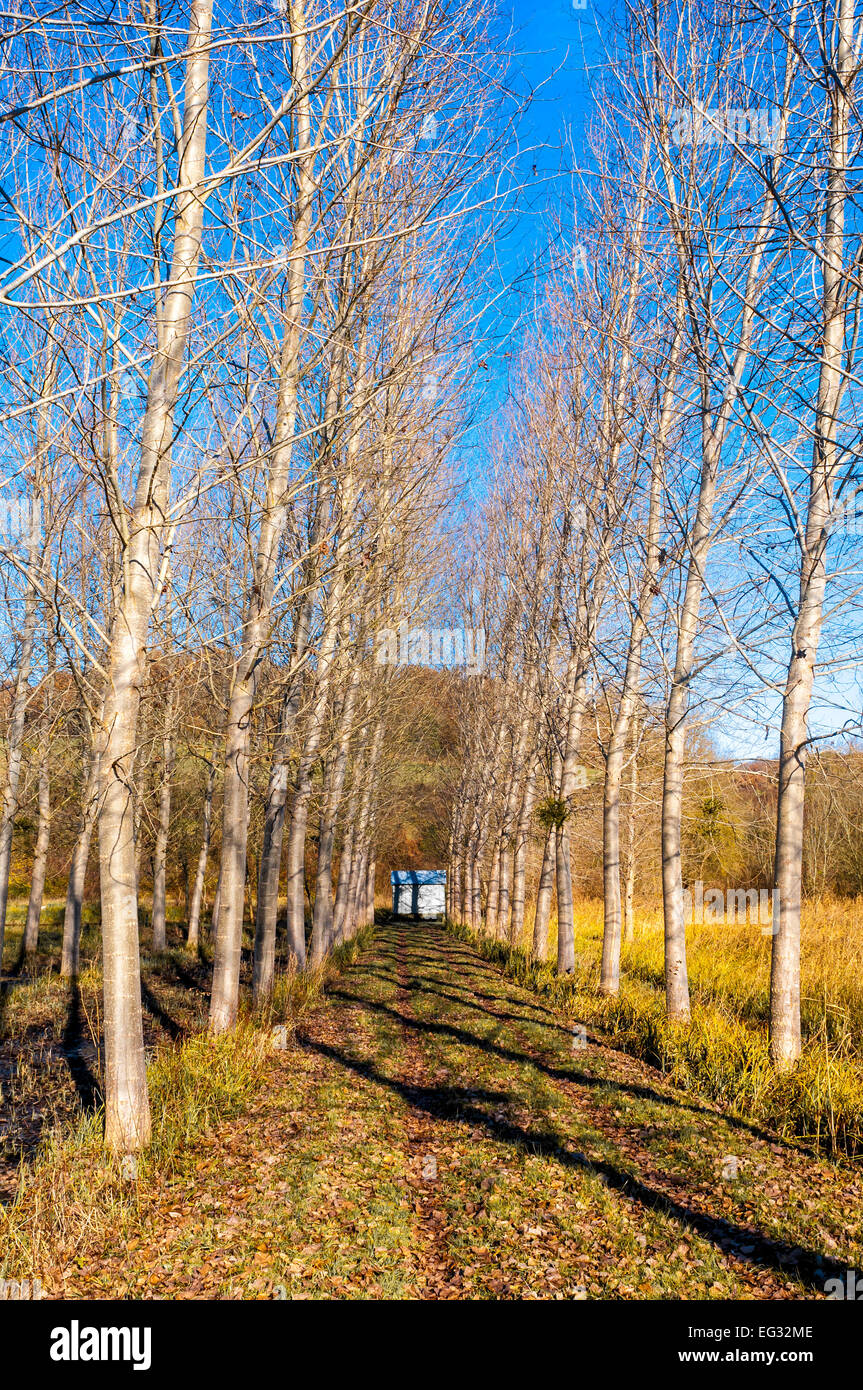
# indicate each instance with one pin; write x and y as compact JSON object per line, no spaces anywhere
{"x":560,"y":52}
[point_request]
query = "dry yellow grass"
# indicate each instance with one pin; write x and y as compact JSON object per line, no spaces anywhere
{"x":730,"y":965}
{"x":75,"y":1191}
{"x":723,"y":1052}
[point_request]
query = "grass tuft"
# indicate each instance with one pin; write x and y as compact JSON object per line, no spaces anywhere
{"x":722,"y":1053}
{"x":74,"y":1193}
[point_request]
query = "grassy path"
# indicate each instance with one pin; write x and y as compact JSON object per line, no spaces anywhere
{"x":434,"y":1131}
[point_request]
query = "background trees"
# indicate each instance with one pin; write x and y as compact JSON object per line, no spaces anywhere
{"x":246,"y":312}
{"x":691,"y":394}
{"x":228,"y":280}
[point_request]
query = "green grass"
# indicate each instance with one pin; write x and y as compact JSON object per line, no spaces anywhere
{"x":558,"y":1172}
{"x":722,"y":1053}
{"x":72,"y":1184}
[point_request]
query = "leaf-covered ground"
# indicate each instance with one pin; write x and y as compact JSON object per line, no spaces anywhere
{"x":434,"y":1131}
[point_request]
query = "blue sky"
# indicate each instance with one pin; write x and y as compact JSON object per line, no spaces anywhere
{"x":556,"y":50}
{"x":560,"y":51}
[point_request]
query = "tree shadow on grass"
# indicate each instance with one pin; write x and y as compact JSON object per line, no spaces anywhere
{"x":196,"y":975}
{"x":563,"y":1073}
{"x":509,"y":1054}
{"x":86,"y":1082}
{"x":476,"y":966}
{"x":465,"y":999}
{"x":456,"y":1104}
{"x":10,"y":980}
{"x":641,"y":1092}
{"x":175,"y":1030}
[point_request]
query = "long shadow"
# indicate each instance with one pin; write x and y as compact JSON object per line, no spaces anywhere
{"x":508,"y":1054}
{"x":570,"y":1074}
{"x":491,"y":974}
{"x":465,"y":999}
{"x":5,"y":989}
{"x":474,"y":966}
{"x":161,"y":1015}
{"x":736,"y":1122}
{"x":532,"y":1003}
{"x":10,"y":980}
{"x":433,"y":961}
{"x":23,"y":960}
{"x":187,"y":976}
{"x":86,"y":1084}
{"x":456,"y":1104}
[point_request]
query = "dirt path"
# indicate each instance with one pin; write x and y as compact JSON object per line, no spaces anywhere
{"x":437,"y":1132}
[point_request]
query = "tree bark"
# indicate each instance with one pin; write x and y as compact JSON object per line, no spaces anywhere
{"x":127,"y":1108}
{"x":522,"y":839}
{"x":714,"y":428}
{"x":70,"y":957}
{"x":346,"y":859}
{"x":40,"y":859}
{"x":544,"y":895}
{"x":370,"y":892}
{"x":160,"y":924}
{"x":228,"y":944}
{"x":629,"y":892}
{"x":565,"y":923}
{"x":785,"y":1024}
{"x":576,"y":705}
{"x":322,"y":920}
{"x":193,"y":935}
{"x":615,"y":757}
{"x":15,"y":740}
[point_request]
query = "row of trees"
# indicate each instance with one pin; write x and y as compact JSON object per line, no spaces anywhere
{"x":670,"y":510}
{"x":236,"y":323}
{"x":241,"y":307}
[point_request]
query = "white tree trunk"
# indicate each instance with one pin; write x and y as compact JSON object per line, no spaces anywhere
{"x":15,"y":746}
{"x":370,"y":891}
{"x":346,"y":863}
{"x":127,"y":1109}
{"x":785,"y":1024}
{"x":322,"y":921}
{"x":70,"y":958}
{"x":266,"y":916}
{"x":193,"y":935}
{"x":629,"y":892}
{"x":565,"y":923}
{"x":544,"y":893}
{"x":160,"y":855}
{"x":40,"y":858}
{"x":565,"y":918}
{"x":522,"y":839}
{"x":228,"y":943}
